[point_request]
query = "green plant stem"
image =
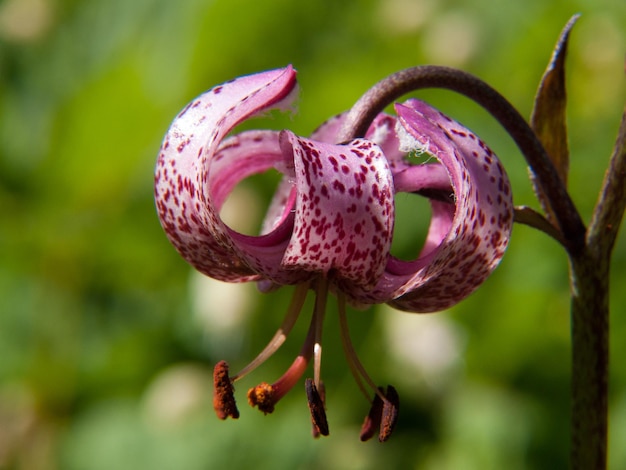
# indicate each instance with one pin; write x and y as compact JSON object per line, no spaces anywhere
{"x":590,"y":317}
{"x":590,"y":360}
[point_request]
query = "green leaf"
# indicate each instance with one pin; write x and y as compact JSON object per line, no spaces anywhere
{"x":609,"y":210}
{"x":548,"y":118}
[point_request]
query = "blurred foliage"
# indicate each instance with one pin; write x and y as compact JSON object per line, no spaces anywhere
{"x":104,"y":362}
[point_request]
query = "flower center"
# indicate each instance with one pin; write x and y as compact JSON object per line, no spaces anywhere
{"x":265,"y":396}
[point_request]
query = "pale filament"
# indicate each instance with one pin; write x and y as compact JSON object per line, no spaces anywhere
{"x":295,"y":307}
{"x":320,"y":310}
{"x":356,"y":367}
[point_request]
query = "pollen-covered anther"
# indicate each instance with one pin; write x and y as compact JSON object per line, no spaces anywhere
{"x":389,"y":417}
{"x":223,"y":392}
{"x":263,"y":397}
{"x":317,"y":408}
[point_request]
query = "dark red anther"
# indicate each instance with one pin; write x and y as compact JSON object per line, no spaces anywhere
{"x":390,"y":414}
{"x":317,"y":409}
{"x":373,"y":418}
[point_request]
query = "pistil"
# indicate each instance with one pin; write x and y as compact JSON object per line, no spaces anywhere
{"x":265,"y":396}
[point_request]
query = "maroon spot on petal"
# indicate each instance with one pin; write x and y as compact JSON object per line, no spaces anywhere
{"x":339,"y":186}
{"x":182,"y":113}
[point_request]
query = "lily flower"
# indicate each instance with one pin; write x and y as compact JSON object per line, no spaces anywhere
{"x":330,"y":224}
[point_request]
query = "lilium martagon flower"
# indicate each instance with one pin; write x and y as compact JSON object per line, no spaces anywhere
{"x":330,"y":224}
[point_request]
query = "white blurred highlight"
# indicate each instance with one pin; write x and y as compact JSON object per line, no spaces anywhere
{"x":176,"y":395}
{"x":452,"y":38}
{"x":404,"y":16}
{"x":431,"y":345}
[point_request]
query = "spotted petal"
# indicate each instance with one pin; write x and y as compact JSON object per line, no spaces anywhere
{"x":190,"y":182}
{"x":467,"y":236}
{"x":381,"y":132}
{"x":345,"y":212}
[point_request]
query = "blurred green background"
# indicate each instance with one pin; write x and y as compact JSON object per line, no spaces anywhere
{"x":107,"y":338}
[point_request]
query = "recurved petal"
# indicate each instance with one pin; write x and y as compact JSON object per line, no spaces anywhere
{"x":479,"y":230}
{"x":344,"y":209}
{"x":243,"y":155}
{"x":188,"y":194}
{"x":468,"y":235}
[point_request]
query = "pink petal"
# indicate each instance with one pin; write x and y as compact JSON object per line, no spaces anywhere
{"x":344,"y":209}
{"x":467,"y":239}
{"x":191,"y":183}
{"x":329,"y":129}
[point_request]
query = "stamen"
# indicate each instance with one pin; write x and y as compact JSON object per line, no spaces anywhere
{"x":295,"y":307}
{"x":223,"y":393}
{"x":322,"y":393}
{"x":317,"y":408}
{"x":357,"y":369}
{"x":321,"y":292}
{"x":384,"y":410}
{"x":390,"y":414}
